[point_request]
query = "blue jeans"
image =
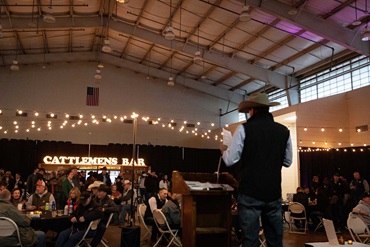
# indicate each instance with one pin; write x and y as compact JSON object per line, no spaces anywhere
{"x":250,"y":210}
{"x":65,"y":239}
{"x":41,"y":239}
{"x":126,"y":208}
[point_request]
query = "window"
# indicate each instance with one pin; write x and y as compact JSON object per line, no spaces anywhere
{"x":339,"y":79}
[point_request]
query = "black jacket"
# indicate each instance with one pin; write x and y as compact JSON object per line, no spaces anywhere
{"x":90,"y":212}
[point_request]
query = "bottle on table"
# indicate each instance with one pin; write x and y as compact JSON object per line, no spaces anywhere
{"x":53,"y":206}
{"x":70,"y":209}
{"x":66,"y":210}
{"x":47,"y":206}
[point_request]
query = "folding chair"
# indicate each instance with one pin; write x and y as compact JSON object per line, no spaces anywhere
{"x":297,"y":212}
{"x":320,"y":223}
{"x":8,"y":227}
{"x":104,"y":241}
{"x":84,"y":240}
{"x":141,"y":213}
{"x":358,"y":229}
{"x":262,"y":238}
{"x":162,"y":223}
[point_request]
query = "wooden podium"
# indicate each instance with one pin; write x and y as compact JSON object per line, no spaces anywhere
{"x":206,"y":213}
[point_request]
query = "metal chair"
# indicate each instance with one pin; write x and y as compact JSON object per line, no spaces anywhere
{"x":104,"y":241}
{"x":297,"y":212}
{"x":164,"y":228}
{"x":8,"y":227}
{"x":358,"y":229}
{"x":141,"y":212}
{"x":84,"y":240}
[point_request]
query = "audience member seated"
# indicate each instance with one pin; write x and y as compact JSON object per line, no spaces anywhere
{"x":363,"y":208}
{"x":88,"y":210}
{"x":315,"y":184}
{"x":74,"y":197}
{"x":155,"y":202}
{"x":17,"y":198}
{"x":108,"y":207}
{"x":116,"y":197}
{"x":302,"y":198}
{"x":38,"y":199}
{"x":340,"y":192}
{"x":29,"y":237}
{"x":94,"y":188}
{"x":126,"y":202}
{"x":119,"y":184}
{"x":322,"y":208}
{"x":172,"y":211}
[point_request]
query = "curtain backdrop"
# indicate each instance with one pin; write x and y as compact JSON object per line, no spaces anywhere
{"x":345,"y":161}
{"x":24,"y":155}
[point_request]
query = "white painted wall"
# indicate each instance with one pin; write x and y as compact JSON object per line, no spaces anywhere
{"x":61,"y":88}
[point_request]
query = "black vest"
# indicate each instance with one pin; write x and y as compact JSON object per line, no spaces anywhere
{"x":40,"y":201}
{"x":160,"y":204}
{"x":262,"y":157}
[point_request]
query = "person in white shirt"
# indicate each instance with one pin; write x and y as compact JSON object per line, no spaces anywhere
{"x":363,"y":208}
{"x":164,"y":183}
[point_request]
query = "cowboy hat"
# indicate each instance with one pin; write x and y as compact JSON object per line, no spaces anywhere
{"x":256,"y":100}
{"x":126,"y":182}
{"x":84,"y":196}
{"x":96,"y":184}
{"x":105,"y":188}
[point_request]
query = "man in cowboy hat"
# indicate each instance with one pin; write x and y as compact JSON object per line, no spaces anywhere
{"x":88,"y":210}
{"x":263,"y":147}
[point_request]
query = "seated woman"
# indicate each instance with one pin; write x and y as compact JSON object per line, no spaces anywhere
{"x":16,"y":198}
{"x":116,"y":197}
{"x":74,"y":197}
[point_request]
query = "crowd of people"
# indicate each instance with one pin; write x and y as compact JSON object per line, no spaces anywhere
{"x":89,"y":197}
{"x":334,"y":198}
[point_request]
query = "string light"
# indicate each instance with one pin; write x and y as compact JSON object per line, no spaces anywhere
{"x":188,"y":126}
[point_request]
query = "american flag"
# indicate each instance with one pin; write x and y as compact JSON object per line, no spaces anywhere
{"x":92,"y":97}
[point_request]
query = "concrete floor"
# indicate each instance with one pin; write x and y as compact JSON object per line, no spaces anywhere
{"x":113,"y":235}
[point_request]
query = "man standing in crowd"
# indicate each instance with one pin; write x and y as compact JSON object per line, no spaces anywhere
{"x":151,"y":185}
{"x":104,"y":177}
{"x":75,"y":178}
{"x":29,"y":237}
{"x":30,"y":186}
{"x":155,"y":202}
{"x":38,"y":200}
{"x":263,"y":147}
{"x":142,"y":185}
{"x":68,"y":184}
{"x":363,"y":208}
{"x":358,"y":186}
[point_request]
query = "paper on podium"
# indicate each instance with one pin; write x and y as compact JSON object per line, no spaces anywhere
{"x":195,"y":185}
{"x":226,"y":137}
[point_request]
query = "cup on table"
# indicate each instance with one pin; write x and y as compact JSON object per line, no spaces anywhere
{"x":20,"y":206}
{"x":53,"y":214}
{"x":60,"y":212}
